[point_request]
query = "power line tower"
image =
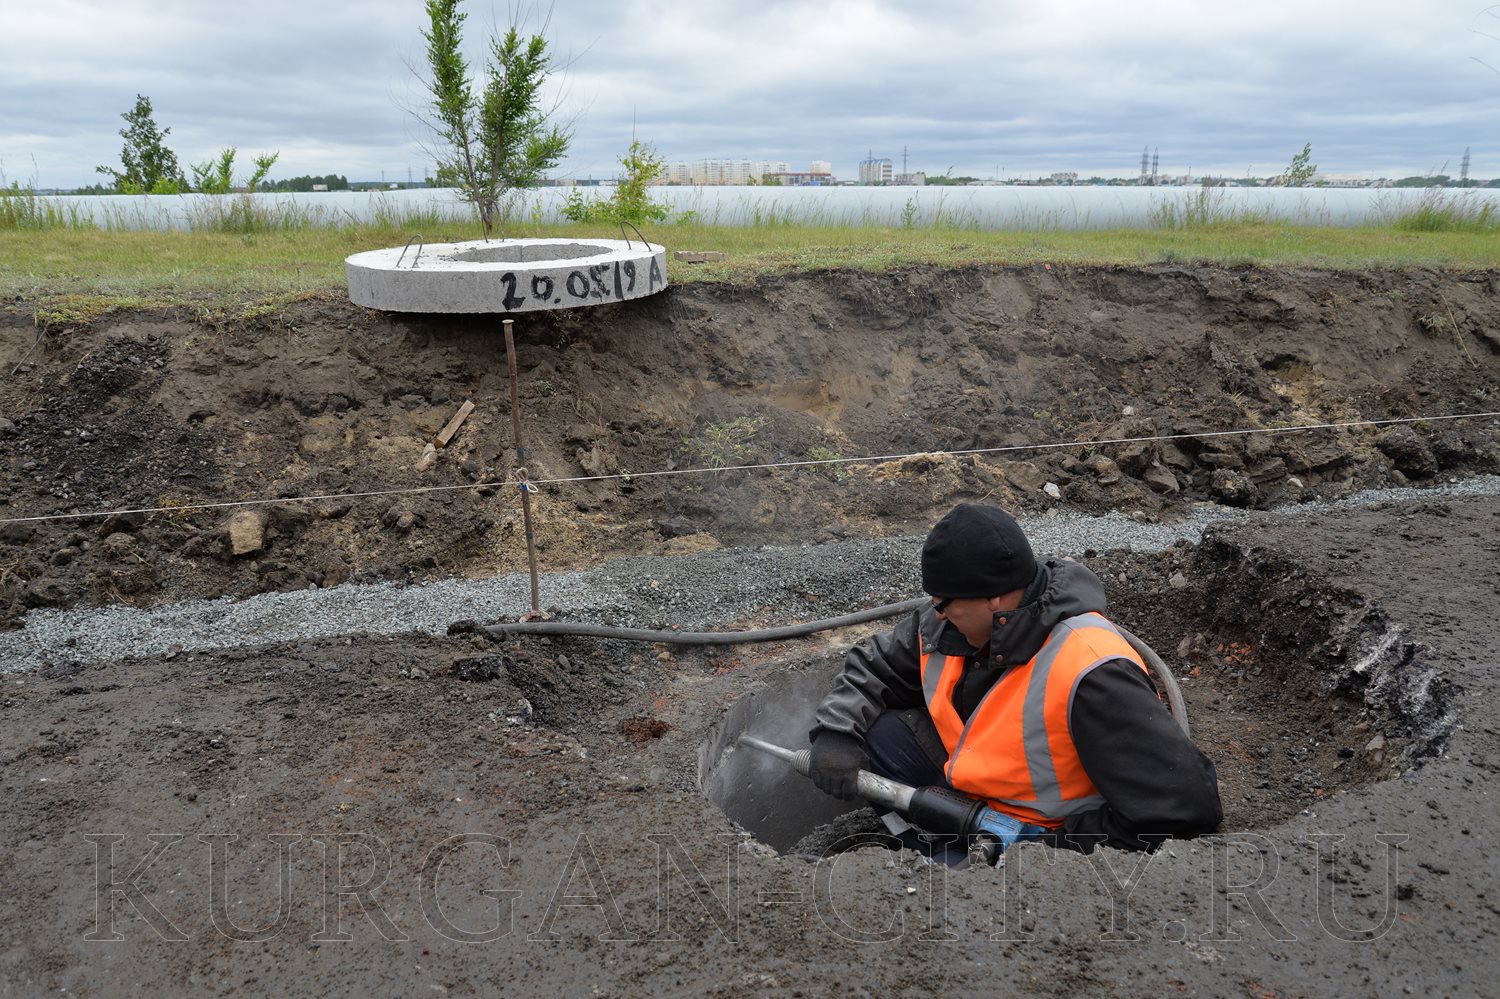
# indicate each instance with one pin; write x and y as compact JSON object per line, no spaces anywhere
{"x":1463,"y":170}
{"x":1155,"y":160}
{"x":1145,"y":151}
{"x":903,"y":161}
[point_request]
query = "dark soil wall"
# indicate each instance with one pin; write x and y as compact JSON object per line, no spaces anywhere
{"x":162,"y":409}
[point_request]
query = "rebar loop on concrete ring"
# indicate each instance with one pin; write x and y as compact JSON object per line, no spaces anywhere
{"x":1164,"y":678}
{"x":416,"y":258}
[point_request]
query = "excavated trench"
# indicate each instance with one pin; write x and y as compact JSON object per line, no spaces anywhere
{"x":1297,"y":691}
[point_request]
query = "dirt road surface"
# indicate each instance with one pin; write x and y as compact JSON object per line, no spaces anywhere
{"x":450,"y":815}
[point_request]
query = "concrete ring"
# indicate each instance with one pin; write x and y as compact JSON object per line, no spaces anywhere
{"x":512,"y":275}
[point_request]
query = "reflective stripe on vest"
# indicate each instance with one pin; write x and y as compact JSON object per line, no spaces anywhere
{"x":1016,"y":749}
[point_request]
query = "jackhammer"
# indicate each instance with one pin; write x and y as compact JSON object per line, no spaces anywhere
{"x":937,"y":810}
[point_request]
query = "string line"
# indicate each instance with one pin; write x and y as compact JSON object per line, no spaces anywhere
{"x":806,"y":463}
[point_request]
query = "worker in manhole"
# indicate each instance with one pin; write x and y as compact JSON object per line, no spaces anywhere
{"x":1015,"y":689}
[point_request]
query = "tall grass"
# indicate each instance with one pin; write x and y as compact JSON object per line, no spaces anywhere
{"x":1439,"y":210}
{"x":230,"y":247}
{"x":1214,"y":206}
{"x":936,"y":209}
{"x":20,"y":208}
{"x":247,"y":214}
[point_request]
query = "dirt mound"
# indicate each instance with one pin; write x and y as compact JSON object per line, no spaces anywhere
{"x":151,"y":409}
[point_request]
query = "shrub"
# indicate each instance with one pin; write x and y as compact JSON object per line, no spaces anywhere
{"x":632,"y":198}
{"x":836,"y":472}
{"x":721,"y":445}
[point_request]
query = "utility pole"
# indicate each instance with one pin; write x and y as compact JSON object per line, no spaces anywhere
{"x":1463,"y":170}
{"x":1144,"y":151}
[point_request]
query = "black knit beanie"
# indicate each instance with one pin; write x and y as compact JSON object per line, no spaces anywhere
{"x":976,"y":551}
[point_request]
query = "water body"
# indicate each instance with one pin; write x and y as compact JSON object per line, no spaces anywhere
{"x":980,"y":208}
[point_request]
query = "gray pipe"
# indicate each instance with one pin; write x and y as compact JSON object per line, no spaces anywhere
{"x":1164,"y":676}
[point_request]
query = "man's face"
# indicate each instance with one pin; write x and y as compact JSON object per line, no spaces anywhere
{"x":974,"y":617}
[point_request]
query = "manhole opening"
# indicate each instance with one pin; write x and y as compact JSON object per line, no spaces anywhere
{"x":1295,"y":690}
{"x":528,"y":253}
{"x":762,"y":795}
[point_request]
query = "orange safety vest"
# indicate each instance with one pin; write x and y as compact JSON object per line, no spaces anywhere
{"x":1016,"y":750}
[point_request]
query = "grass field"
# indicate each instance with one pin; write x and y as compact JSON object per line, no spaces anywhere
{"x":67,"y":271}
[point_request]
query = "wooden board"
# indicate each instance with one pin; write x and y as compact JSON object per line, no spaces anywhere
{"x":446,"y":434}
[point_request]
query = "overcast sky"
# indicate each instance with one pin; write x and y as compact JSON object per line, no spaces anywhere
{"x":986,"y":88}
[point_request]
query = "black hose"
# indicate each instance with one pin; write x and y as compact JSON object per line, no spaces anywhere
{"x":1164,"y":676}
{"x":702,"y":637}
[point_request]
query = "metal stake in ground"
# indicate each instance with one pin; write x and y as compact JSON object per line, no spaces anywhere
{"x":526,"y":487}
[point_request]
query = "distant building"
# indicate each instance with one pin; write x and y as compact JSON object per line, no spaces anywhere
{"x":721,"y":172}
{"x":763,"y":168}
{"x":1340,"y":180}
{"x":821,"y":166}
{"x":875,"y":171}
{"x":809,"y":178}
{"x":915,"y":179}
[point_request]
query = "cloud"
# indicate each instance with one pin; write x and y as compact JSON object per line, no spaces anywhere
{"x":1024,"y":86}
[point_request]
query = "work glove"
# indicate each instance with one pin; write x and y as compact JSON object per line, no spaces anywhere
{"x":1007,"y":829}
{"x":837,"y":758}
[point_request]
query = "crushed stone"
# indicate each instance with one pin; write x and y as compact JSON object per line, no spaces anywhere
{"x":705,"y":591}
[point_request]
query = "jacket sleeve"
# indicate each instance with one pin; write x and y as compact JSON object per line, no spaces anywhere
{"x":883,"y":673}
{"x":1155,"y":782}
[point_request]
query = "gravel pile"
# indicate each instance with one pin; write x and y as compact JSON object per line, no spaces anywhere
{"x":707,"y":591}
